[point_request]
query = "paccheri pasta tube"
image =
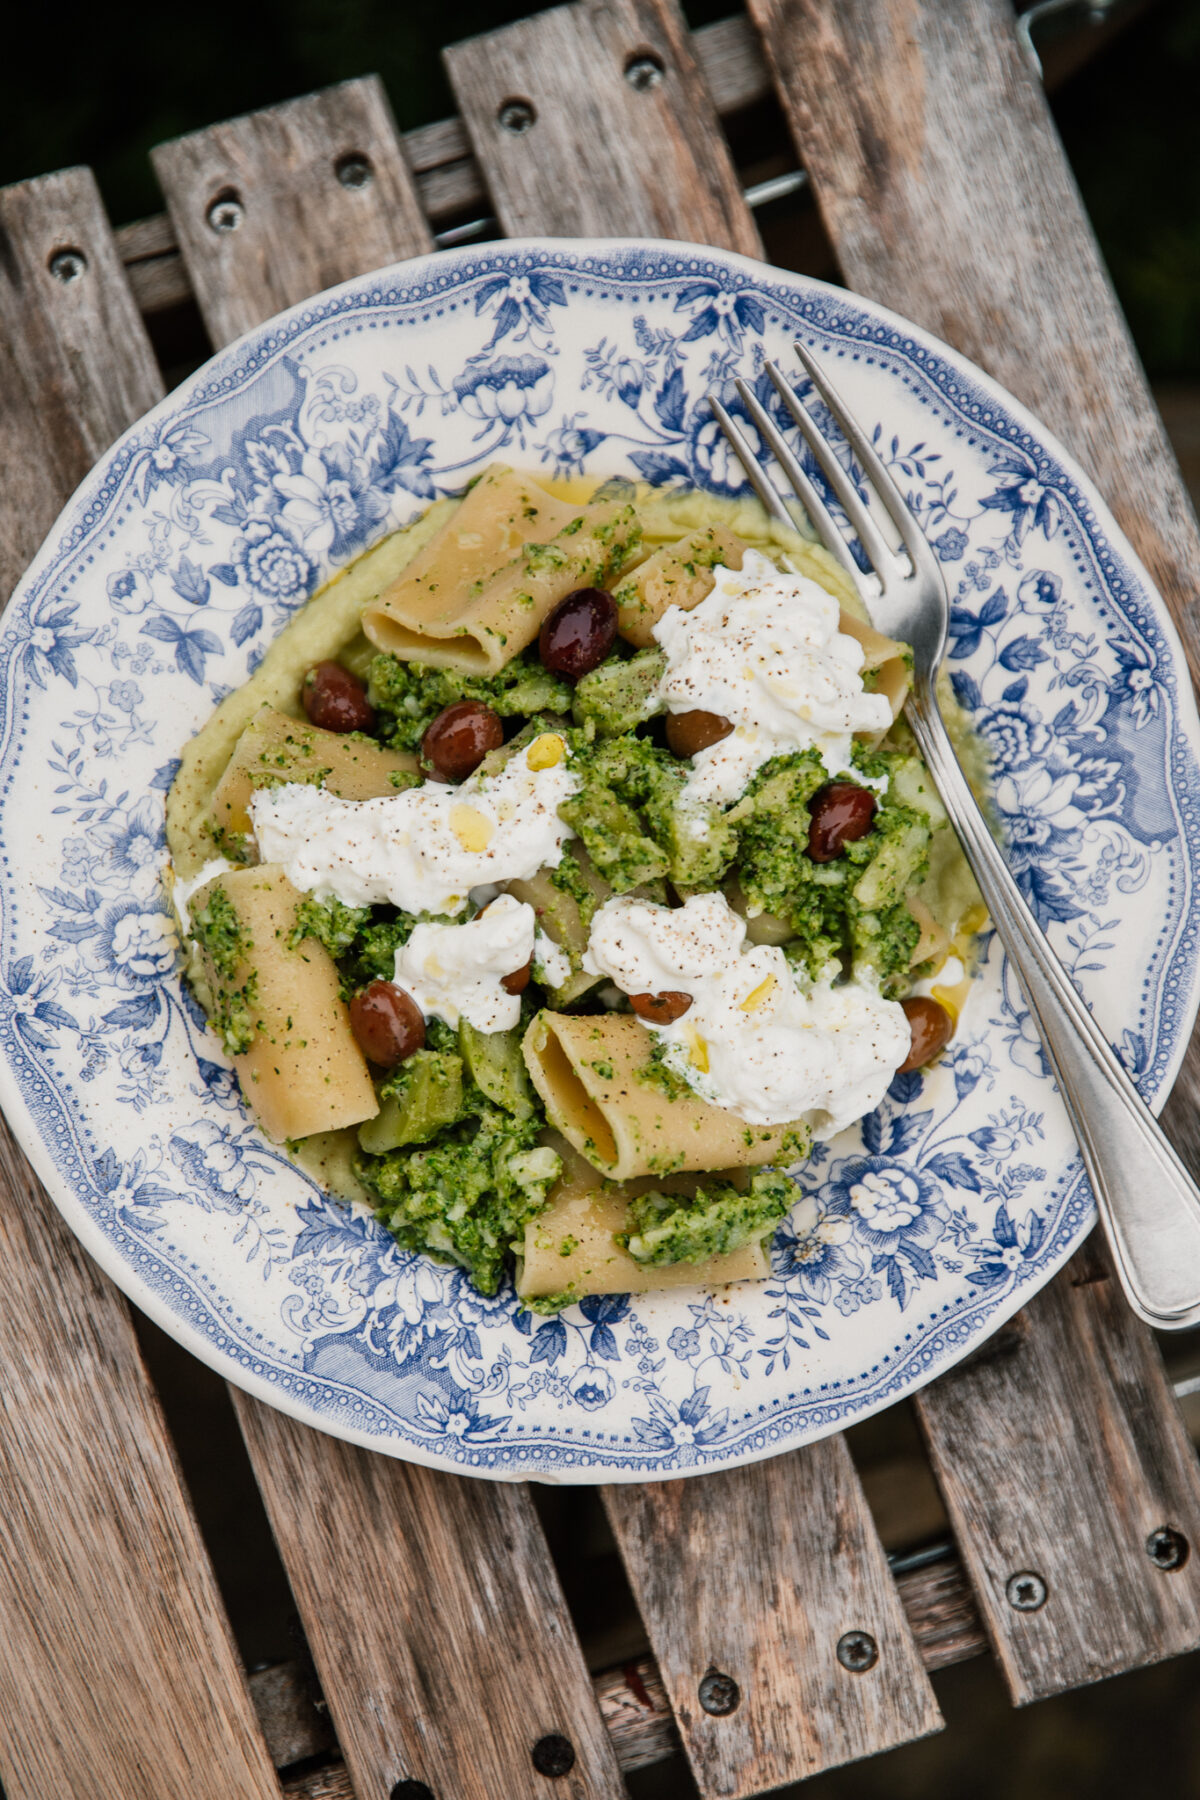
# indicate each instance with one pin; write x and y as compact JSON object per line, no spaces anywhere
{"x":275,"y":747}
{"x":456,"y":609}
{"x":600,"y":1087}
{"x":278,"y":1008}
{"x":571,"y":1248}
{"x":677,"y":575}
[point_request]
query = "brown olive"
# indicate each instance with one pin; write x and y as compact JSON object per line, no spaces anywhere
{"x":335,"y":699}
{"x":841,"y":812}
{"x":518,"y":981}
{"x":690,"y":732}
{"x":660,"y":1009}
{"x":387,"y":1022}
{"x":456,"y":742}
{"x":577,"y":636}
{"x":932,"y":1028}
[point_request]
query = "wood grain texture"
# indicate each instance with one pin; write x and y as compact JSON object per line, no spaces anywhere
{"x":1098,"y":1461}
{"x":758,"y":1573}
{"x":430,"y":1603}
{"x":937,"y":1601}
{"x":927,"y":138}
{"x":434,"y":1616}
{"x":601,"y":158}
{"x":117,"y":1669}
{"x":75,"y":365}
{"x":118,"y":1674}
{"x":300,"y":228}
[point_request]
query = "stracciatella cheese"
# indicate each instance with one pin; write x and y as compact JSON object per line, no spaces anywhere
{"x":763,"y":649}
{"x":456,"y":972}
{"x":758,"y":1039}
{"x":425,"y":849}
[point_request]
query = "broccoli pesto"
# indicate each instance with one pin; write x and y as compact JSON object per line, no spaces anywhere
{"x":667,"y":1228}
{"x":227,"y":944}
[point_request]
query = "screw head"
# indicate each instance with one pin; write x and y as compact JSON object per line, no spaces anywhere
{"x":644,"y":71}
{"x":718,"y":1694}
{"x":1026,"y":1591}
{"x":553,"y":1754}
{"x":857,"y":1651}
{"x":354,"y":170}
{"x":67,"y":265}
{"x":411,"y":1790}
{"x":516,"y":116}
{"x":1167,"y":1548}
{"x":225,"y":213}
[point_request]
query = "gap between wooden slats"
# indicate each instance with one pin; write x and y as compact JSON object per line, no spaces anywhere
{"x":430,"y":1602}
{"x":946,"y":195}
{"x":755,"y":1573}
{"x":118,"y":1672}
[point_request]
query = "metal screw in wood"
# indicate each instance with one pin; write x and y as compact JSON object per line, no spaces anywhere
{"x":67,"y":265}
{"x":354,"y":171}
{"x":719,"y":1694}
{"x":226,"y":213}
{"x":516,"y":116}
{"x":554,"y":1755}
{"x":1167,"y":1548}
{"x":644,"y":72}
{"x":1026,"y":1591}
{"x":857,"y":1651}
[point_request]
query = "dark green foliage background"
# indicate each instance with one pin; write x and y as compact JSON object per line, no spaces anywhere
{"x":103,"y":83}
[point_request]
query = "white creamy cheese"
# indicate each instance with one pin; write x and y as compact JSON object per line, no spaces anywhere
{"x":551,"y":964}
{"x":182,"y":891}
{"x":763,"y":649}
{"x":758,"y":1038}
{"x":455,"y":972}
{"x":425,"y":849}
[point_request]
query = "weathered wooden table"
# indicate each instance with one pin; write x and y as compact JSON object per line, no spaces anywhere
{"x":782,"y":1639}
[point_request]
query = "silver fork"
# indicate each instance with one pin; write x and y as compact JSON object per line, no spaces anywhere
{"x":1147,"y":1199}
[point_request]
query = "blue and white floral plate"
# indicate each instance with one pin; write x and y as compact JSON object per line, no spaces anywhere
{"x":176,"y":564}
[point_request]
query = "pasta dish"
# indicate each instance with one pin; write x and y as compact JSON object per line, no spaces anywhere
{"x":563,"y":874}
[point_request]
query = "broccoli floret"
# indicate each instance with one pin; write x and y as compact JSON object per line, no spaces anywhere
{"x":670,"y":1228}
{"x":406,"y":696}
{"x":468,"y":1197}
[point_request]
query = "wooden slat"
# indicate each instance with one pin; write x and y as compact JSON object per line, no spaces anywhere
{"x":946,"y":194}
{"x":118,"y":1674}
{"x":788,"y":1551}
{"x":759,"y":1573}
{"x":75,"y":365}
{"x":434,"y":1617}
{"x":642,"y":161}
{"x":1086,"y":1460}
{"x":430,"y":1602}
{"x":299,"y":227}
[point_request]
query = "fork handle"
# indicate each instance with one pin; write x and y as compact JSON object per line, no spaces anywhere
{"x":1149,"y":1203}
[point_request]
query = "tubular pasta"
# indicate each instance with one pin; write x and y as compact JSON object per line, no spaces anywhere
{"x":677,"y":575}
{"x":591,"y":1073}
{"x":276,"y":747}
{"x":570,"y":1246}
{"x":479,"y":628}
{"x":883,"y":655}
{"x":500,"y":514}
{"x":303,"y":1072}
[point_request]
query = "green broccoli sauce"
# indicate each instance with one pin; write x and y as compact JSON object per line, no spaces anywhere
{"x":854,"y":907}
{"x":227,"y":945}
{"x":469,"y":1195}
{"x":666,"y":1228}
{"x":407,"y":696}
{"x":631,"y":820}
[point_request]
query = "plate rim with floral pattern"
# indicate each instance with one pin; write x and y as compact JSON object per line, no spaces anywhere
{"x":176,"y":562}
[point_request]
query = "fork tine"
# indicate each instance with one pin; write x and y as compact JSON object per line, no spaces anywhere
{"x":823,"y":520}
{"x":880,"y":555}
{"x":766,"y":490}
{"x":872,"y":464}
